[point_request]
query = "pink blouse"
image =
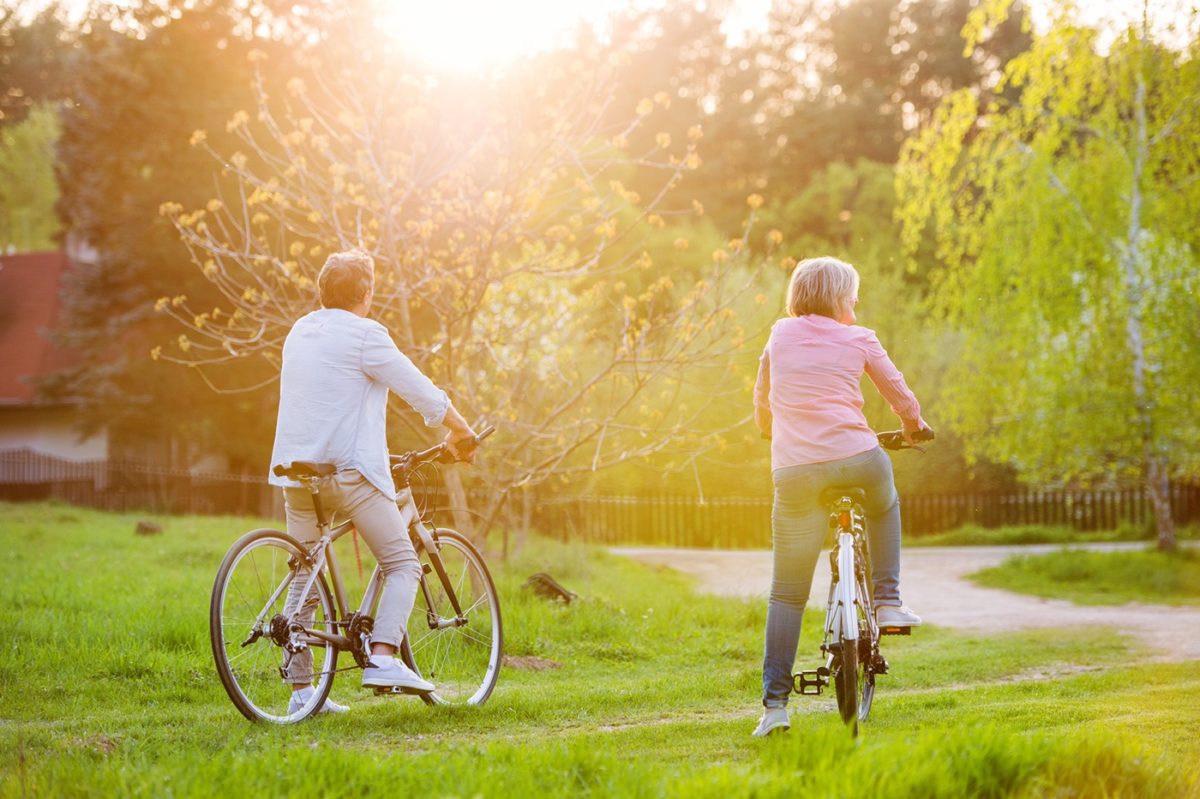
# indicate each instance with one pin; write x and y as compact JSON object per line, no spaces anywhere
{"x":808,"y":390}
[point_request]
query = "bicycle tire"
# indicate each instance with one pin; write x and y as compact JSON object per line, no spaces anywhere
{"x":868,"y":650}
{"x":250,"y":704}
{"x":472,"y":679}
{"x":844,"y":673}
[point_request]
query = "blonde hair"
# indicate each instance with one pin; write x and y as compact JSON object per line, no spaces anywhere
{"x":345,"y":279}
{"x":824,"y":286}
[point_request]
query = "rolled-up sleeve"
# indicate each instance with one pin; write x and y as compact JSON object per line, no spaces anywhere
{"x":890,"y":382}
{"x":384,"y":362}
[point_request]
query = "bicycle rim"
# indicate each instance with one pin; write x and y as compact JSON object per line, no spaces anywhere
{"x":247,"y":587}
{"x":462,"y":661}
{"x":868,"y":650}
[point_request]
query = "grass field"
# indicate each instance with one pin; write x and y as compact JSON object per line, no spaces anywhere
{"x":1102,"y":578}
{"x":973,"y":535}
{"x":107,"y":688}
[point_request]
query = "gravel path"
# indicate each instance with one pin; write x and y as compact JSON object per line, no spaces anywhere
{"x":933,"y":583}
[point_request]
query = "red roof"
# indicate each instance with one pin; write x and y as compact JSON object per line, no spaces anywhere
{"x":29,"y":300}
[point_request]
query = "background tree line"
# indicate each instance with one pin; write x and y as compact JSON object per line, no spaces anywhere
{"x":801,"y":126}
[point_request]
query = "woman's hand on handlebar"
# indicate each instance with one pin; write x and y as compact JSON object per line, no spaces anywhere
{"x":916,"y":432}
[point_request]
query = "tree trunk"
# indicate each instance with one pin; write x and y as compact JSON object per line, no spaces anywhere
{"x":458,"y":504}
{"x":1160,"y":503}
{"x":1154,"y":464}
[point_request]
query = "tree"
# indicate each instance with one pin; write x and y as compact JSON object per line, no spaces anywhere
{"x":1066,"y":236}
{"x":510,"y":262}
{"x":148,"y":76}
{"x":27,"y":188}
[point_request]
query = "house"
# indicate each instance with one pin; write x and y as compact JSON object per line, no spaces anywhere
{"x":29,"y":308}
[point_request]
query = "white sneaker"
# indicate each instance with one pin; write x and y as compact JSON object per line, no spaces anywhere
{"x":892,"y":616}
{"x":300,"y":699}
{"x":385,"y":671}
{"x":773,"y":718}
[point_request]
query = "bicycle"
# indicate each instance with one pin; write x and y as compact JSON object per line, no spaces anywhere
{"x":852,"y":635}
{"x":457,"y":642}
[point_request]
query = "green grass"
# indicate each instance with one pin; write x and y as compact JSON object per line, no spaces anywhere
{"x":107,"y":688}
{"x":973,"y":535}
{"x":1101,"y":578}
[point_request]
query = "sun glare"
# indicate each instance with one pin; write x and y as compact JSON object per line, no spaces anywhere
{"x":470,"y":35}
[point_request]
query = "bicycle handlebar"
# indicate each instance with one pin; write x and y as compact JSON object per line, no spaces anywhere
{"x":441,"y":451}
{"x":894,"y":439}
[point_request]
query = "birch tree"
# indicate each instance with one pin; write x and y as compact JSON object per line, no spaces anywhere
{"x":1066,"y":242}
{"x":509,"y":255}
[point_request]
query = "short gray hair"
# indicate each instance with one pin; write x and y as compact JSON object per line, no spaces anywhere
{"x":346,"y":278}
{"x":824,"y":286}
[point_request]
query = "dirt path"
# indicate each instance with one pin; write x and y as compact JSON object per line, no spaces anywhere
{"x":933,"y":583}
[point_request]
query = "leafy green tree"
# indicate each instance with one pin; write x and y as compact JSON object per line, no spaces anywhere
{"x":27,"y":188}
{"x":148,"y":77}
{"x":1066,"y":235}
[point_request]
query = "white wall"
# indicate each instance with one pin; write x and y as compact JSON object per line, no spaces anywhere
{"x":50,"y":431}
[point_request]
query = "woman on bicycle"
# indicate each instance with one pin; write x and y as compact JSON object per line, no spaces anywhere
{"x":807,"y":400}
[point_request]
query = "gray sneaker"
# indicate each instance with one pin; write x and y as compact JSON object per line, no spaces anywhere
{"x":892,"y":616}
{"x":773,"y":719}
{"x":387,"y":672}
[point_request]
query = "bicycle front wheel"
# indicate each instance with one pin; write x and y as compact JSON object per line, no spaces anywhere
{"x":462,"y":660}
{"x":249,"y":604}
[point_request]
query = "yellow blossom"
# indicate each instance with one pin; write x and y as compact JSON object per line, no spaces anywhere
{"x":170,"y":209}
{"x":215,"y":205}
{"x":296,"y":249}
{"x":238,"y":159}
{"x":239,"y":119}
{"x":754,"y":201}
{"x":698,"y":208}
{"x":645,"y":106}
{"x":198,"y":137}
{"x":178,"y":299}
{"x":161,"y":303}
{"x":720,"y":256}
{"x":183,"y":342}
{"x":254,"y":56}
{"x":295,"y":87}
{"x":787,"y":263}
{"x":656,"y":221}
{"x":692,"y":161}
{"x":775,"y":237}
{"x":663,"y":140}
{"x":663,"y":99}
{"x":760,"y":298}
{"x":155,"y":353}
{"x":682,"y":244}
{"x":695,"y":133}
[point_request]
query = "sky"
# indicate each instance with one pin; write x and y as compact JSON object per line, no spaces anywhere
{"x":471,"y":35}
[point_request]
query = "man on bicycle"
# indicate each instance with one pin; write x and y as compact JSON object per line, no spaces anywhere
{"x":338,"y":367}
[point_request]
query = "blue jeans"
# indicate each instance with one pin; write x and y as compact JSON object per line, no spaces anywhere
{"x":799,"y":524}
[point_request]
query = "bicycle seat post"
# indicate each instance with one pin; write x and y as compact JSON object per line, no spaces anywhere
{"x":314,"y":488}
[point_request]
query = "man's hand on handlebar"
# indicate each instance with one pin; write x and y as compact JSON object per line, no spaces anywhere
{"x":461,"y":440}
{"x":917,"y":432}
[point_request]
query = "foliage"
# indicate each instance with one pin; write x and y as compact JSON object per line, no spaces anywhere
{"x":1066,"y":236}
{"x":163,"y":82}
{"x":1101,"y":578}
{"x":27,"y":188}
{"x":511,"y":256}
{"x":657,"y":693}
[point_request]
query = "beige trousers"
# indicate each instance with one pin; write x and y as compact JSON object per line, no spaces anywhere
{"x":383,"y":524}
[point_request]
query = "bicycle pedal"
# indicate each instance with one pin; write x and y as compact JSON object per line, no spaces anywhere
{"x":810,"y":683}
{"x":895,"y":630}
{"x":387,"y":690}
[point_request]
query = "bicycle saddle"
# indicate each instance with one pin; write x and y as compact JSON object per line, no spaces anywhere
{"x":834,"y":493}
{"x":297,"y":470}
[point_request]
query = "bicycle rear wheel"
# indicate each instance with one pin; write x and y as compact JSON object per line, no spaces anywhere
{"x":845,"y":673}
{"x":868,"y":650}
{"x":462,"y":661}
{"x":250,"y":591}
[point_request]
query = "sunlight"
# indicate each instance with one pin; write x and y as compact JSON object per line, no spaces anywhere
{"x":470,"y":35}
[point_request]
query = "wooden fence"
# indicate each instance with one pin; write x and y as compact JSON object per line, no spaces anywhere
{"x":723,"y":522}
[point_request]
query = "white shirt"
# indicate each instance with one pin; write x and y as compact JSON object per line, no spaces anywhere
{"x":333,"y":390}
